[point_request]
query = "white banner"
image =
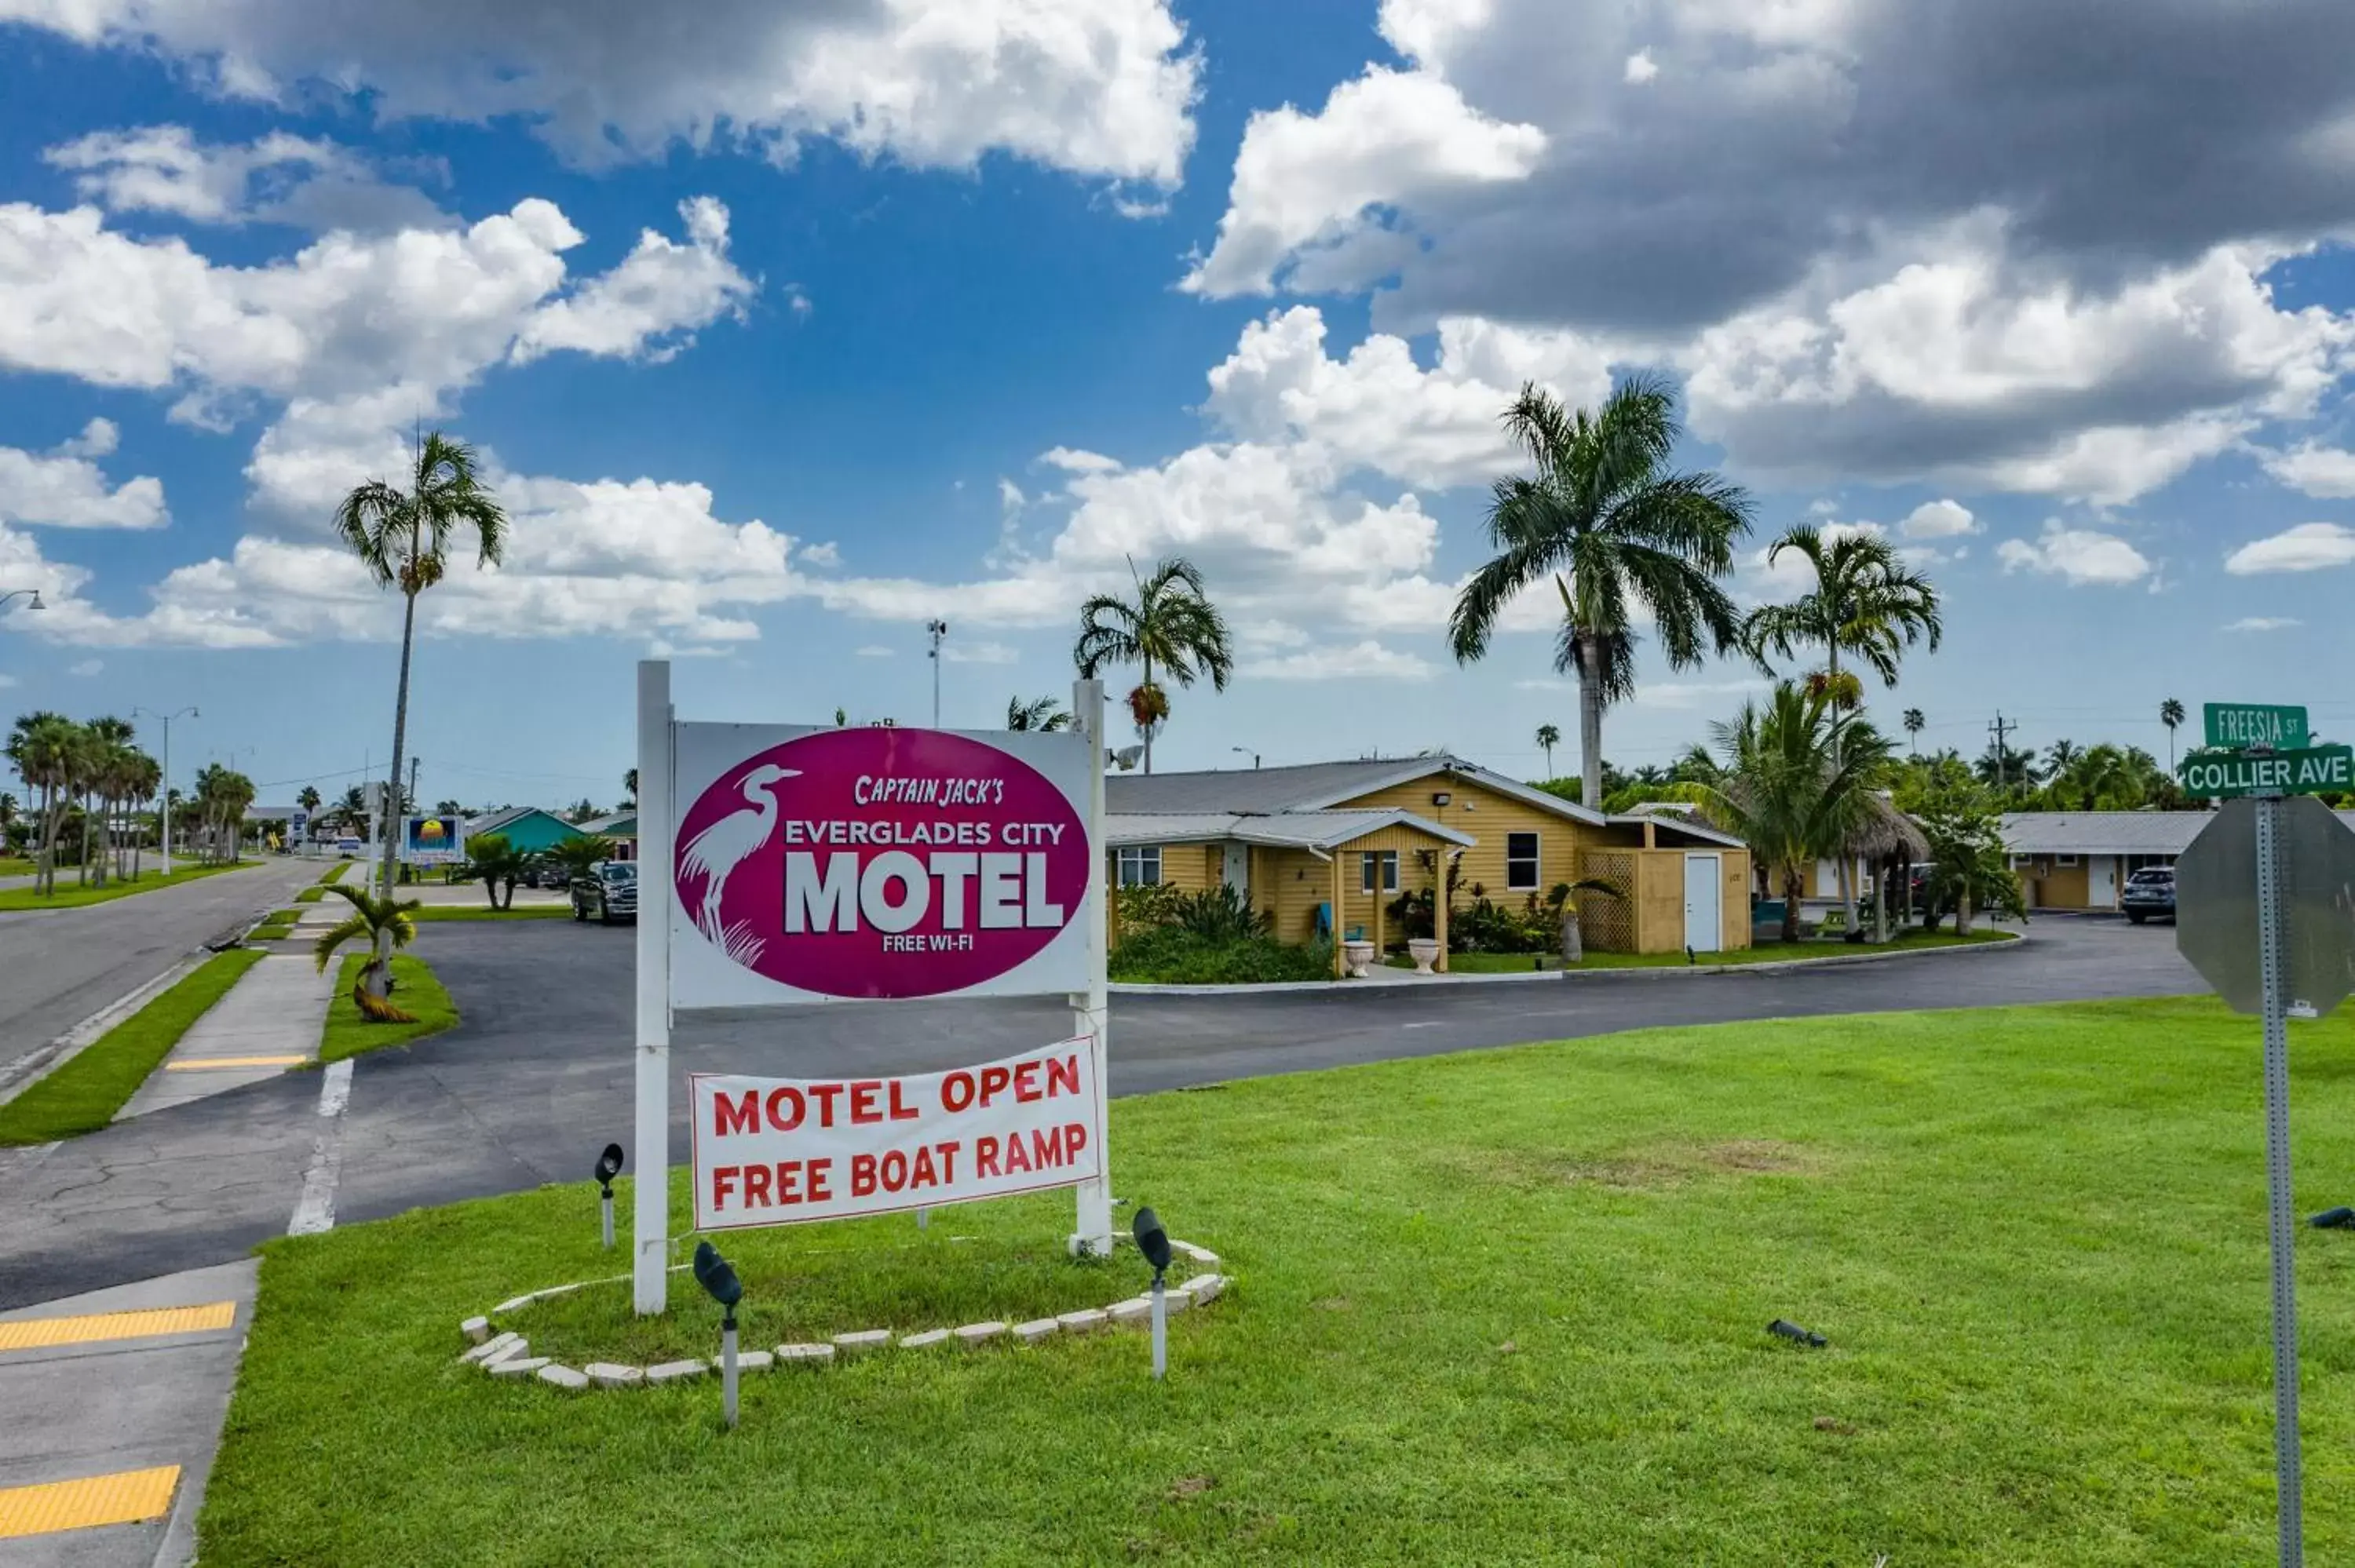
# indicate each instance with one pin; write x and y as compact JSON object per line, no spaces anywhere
{"x":774,"y":1152}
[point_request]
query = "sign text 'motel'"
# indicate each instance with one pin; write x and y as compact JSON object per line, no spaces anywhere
{"x":2220,"y":775}
{"x":2238,"y":725}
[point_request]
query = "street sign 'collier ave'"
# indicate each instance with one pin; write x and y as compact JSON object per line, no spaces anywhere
{"x":2225,"y":775}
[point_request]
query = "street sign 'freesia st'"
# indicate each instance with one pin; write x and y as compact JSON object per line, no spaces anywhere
{"x":2236,"y":725}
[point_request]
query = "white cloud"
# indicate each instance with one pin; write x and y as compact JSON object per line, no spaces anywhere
{"x":64,"y":489}
{"x":1366,"y":660}
{"x":1096,"y":87}
{"x":1939,"y":520}
{"x":2078,"y":555}
{"x":1376,"y":408}
{"x":1640,"y":68}
{"x":2264,"y":623}
{"x":956,"y":652}
{"x":1072,"y":460}
{"x":279,"y":178}
{"x":2325,"y":473}
{"x":875,"y":650}
{"x":824,"y":557}
{"x":1683,"y":696}
{"x":86,"y":668}
{"x":1304,"y":181}
{"x":2308,"y":547}
{"x":650,"y":303}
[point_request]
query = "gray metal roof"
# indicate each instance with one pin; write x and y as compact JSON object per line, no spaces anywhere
{"x":1310,"y":787}
{"x":2107,"y":833}
{"x":1282,"y":829}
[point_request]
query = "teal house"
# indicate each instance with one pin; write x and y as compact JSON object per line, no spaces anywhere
{"x":527,"y":829}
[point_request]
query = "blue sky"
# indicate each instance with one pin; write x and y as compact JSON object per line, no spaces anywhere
{"x":786,"y":334}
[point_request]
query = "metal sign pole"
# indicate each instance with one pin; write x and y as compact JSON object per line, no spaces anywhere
{"x":650,"y":1214}
{"x":728,"y":1369}
{"x":1091,"y":1011}
{"x":2272,"y":941}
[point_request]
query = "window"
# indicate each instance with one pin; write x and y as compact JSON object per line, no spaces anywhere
{"x":2065,"y":860}
{"x":1522,"y":863}
{"x":1365,"y":863}
{"x":1140,"y":867}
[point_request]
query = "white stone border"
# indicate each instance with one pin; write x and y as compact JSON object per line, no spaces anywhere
{"x":507,"y":1354}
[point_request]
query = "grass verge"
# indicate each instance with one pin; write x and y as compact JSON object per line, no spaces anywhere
{"x":414,"y":990}
{"x":1764,"y":952}
{"x":68,"y":896}
{"x":485,"y":912}
{"x":1501,"y":1308}
{"x":83,"y":1095}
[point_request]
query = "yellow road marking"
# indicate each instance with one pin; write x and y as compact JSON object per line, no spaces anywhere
{"x":38,"y":1333}
{"x":198,"y":1063}
{"x":125,"y":1497}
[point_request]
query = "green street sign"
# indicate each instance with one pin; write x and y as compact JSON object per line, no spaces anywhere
{"x":2223,"y":775}
{"x":2233,"y":726}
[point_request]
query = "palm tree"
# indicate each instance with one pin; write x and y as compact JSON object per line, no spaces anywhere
{"x":388,"y":923}
{"x":403,"y":537}
{"x":1914,"y":723}
{"x":1549,"y":737}
{"x":1866,"y":602}
{"x":1797,"y":783}
{"x":495,"y":863}
{"x":629,"y":790}
{"x":309,"y":799}
{"x":145,"y":779}
{"x":41,"y":748}
{"x":2170,"y":713}
{"x":1042,"y":714}
{"x":1606,"y":520}
{"x":2062,"y":757}
{"x":578,"y":857}
{"x":1170,"y":623}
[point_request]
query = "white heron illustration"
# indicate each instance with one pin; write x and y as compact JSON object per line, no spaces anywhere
{"x":719,"y":849}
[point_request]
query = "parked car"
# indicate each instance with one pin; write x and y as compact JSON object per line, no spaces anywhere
{"x":2150,"y":893}
{"x":610,"y":892}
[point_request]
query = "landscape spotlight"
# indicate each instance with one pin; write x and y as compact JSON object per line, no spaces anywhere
{"x":608,"y":1165}
{"x":718,"y":1277}
{"x":1154,"y":1242}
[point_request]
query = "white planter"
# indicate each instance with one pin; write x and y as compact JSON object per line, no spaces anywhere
{"x":1356,"y":956}
{"x":1425,"y":951}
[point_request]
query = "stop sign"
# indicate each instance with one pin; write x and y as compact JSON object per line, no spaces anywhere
{"x":2216,"y":905}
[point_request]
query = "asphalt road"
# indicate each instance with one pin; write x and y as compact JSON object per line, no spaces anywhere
{"x":58,"y":967}
{"x":537,"y":1077}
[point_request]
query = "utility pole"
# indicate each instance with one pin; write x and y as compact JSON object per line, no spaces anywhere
{"x":938,"y":629}
{"x":2002,"y":746}
{"x":163,"y":815}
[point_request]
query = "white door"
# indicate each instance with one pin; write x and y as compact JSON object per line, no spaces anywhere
{"x":2101,"y":882}
{"x":1704,"y":885}
{"x":1237,"y":869}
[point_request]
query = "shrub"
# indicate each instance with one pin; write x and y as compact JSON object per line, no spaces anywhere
{"x":1172,"y":955}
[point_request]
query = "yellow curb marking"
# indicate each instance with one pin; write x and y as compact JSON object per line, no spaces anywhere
{"x":203,"y":1064}
{"x":38,"y":1333}
{"x":125,"y":1497}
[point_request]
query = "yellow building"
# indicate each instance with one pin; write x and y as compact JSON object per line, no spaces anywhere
{"x":2080,"y":860}
{"x":1326,"y":846}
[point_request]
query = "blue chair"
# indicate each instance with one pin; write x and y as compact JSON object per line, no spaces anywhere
{"x":1323,"y":922}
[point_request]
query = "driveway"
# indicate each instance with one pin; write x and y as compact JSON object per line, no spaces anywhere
{"x":537,"y":1080}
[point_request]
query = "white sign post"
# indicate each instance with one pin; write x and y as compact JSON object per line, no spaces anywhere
{"x":793,"y":865}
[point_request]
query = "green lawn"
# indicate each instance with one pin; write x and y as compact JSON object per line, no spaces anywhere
{"x":13,"y":865}
{"x":72,"y":895}
{"x":1500,"y":1307}
{"x":83,"y":1095}
{"x":1764,"y":952}
{"x":485,"y":912}
{"x":414,"y":990}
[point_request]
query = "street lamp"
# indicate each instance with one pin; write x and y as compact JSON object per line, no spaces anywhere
{"x":718,"y":1277}
{"x":608,"y":1165}
{"x":1246,"y":751}
{"x":1154,"y":1242}
{"x":164,"y":799}
{"x":35,"y":594}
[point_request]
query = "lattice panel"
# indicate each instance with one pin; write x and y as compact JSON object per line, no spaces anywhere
{"x":1608,"y":923}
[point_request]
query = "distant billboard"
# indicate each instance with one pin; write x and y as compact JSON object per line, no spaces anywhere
{"x":436,"y":840}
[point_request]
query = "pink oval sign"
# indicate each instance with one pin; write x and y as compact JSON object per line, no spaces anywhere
{"x":881,"y":862}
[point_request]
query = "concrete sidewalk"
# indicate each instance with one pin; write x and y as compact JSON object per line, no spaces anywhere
{"x":268,"y":1021}
{"x":114,"y":1405}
